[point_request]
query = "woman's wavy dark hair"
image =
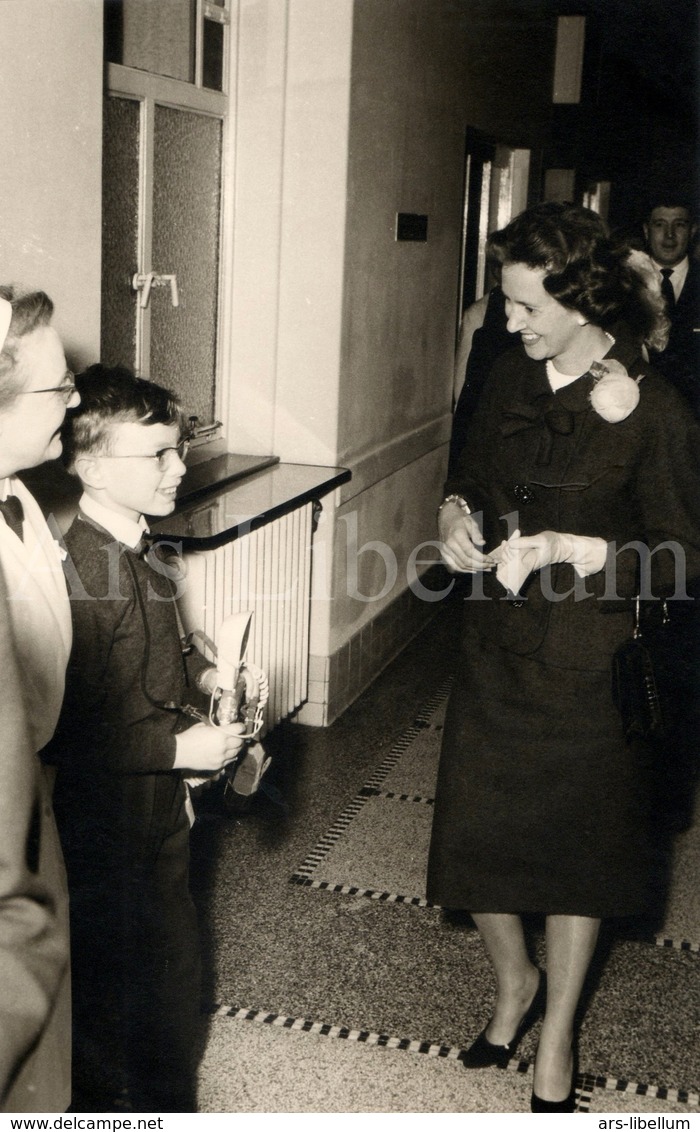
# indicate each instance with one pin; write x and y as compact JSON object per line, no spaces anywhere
{"x":584,"y":270}
{"x":112,"y":395}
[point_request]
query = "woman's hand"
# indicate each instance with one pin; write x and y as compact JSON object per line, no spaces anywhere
{"x":537,"y":551}
{"x":585,"y":553}
{"x":207,"y":748}
{"x":518,"y":556}
{"x":461,"y":539}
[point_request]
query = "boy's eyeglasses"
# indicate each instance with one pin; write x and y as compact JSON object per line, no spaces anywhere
{"x":66,"y":388}
{"x":162,"y":457}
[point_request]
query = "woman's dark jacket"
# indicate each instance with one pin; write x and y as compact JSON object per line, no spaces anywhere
{"x":550,"y":462}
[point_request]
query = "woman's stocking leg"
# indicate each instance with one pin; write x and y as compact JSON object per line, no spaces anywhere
{"x":571,"y":941}
{"x":516,"y":976}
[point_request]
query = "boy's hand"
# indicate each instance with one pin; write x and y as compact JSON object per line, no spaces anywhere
{"x":207,"y":748}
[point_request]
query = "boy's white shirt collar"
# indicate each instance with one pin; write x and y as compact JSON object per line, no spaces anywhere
{"x":125,"y":530}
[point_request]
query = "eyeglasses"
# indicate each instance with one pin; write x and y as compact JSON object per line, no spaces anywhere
{"x":162,"y":457}
{"x":66,"y":388}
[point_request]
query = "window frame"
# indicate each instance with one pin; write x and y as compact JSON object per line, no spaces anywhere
{"x":149,"y":90}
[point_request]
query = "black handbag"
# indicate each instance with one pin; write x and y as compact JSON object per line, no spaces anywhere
{"x":635,"y":685}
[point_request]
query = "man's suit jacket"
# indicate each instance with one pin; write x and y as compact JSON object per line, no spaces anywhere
{"x":680,"y":361}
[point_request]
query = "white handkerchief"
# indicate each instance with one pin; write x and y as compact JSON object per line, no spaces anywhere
{"x":514,"y":566}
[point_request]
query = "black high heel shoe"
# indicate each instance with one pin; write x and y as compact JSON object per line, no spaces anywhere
{"x":482,"y":1052}
{"x":567,"y":1105}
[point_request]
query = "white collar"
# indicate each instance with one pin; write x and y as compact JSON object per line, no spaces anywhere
{"x":679,"y":270}
{"x":6,"y":488}
{"x":125,"y":530}
{"x":558,"y":380}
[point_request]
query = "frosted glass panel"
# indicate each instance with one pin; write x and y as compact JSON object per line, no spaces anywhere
{"x":120,"y":196}
{"x":152,"y":35}
{"x":186,"y":192}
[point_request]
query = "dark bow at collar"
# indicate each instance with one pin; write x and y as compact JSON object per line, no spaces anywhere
{"x":549,"y":416}
{"x":145,"y":544}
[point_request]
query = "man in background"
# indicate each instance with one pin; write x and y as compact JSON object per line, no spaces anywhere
{"x":670,"y":234}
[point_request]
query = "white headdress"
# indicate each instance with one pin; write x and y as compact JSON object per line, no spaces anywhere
{"x":5,"y":319}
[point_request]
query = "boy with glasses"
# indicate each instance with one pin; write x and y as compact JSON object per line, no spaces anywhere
{"x":122,"y":748}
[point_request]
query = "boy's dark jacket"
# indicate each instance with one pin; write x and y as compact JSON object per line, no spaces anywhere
{"x":126,"y":660}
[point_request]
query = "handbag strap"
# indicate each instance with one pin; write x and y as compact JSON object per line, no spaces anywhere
{"x":637,"y":632}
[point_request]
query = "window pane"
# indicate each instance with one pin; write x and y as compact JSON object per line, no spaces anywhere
{"x":152,"y":35}
{"x":213,"y":56}
{"x":187,"y":187}
{"x":120,"y":197}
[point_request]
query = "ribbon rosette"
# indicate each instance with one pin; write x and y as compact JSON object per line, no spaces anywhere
{"x":615,"y":394}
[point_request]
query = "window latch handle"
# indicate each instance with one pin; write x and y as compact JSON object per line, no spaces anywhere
{"x":143,"y":281}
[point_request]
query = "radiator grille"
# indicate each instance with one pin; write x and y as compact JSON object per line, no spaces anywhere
{"x":267,"y":571}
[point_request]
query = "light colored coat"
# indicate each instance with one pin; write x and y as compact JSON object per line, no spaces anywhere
{"x":34,"y":972}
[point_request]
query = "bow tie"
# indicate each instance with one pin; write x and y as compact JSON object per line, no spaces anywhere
{"x":145,"y":543}
{"x":13,"y":513}
{"x":553,"y":419}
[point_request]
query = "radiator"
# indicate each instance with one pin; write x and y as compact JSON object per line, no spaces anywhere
{"x":267,"y":571}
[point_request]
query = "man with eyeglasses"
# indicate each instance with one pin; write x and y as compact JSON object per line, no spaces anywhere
{"x":35,"y":389}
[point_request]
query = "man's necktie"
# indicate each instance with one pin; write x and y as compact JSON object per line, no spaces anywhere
{"x":13,"y":512}
{"x":667,"y":287}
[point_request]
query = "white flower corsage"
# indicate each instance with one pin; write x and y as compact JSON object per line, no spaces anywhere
{"x":615,"y":394}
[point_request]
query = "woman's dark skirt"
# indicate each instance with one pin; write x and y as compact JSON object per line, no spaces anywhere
{"x":541,"y":806}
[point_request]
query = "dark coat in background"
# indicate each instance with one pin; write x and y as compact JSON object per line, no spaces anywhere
{"x":489,"y":341}
{"x":680,"y":361}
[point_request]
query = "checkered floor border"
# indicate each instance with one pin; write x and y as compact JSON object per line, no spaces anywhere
{"x":676,"y":944}
{"x":371,"y":789}
{"x":591,"y":1082}
{"x":586,"y":1084}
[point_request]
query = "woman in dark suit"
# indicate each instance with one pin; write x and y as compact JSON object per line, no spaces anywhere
{"x":579,"y":463}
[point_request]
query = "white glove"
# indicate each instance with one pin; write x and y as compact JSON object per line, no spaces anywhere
{"x":520,"y":555}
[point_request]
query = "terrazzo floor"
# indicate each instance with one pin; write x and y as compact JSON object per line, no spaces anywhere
{"x":332,"y":987}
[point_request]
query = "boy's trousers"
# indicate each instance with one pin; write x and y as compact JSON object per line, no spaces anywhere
{"x":135,"y":946}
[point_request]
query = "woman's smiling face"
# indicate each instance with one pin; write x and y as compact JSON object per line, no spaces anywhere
{"x":30,"y":425}
{"x":546,"y":328}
